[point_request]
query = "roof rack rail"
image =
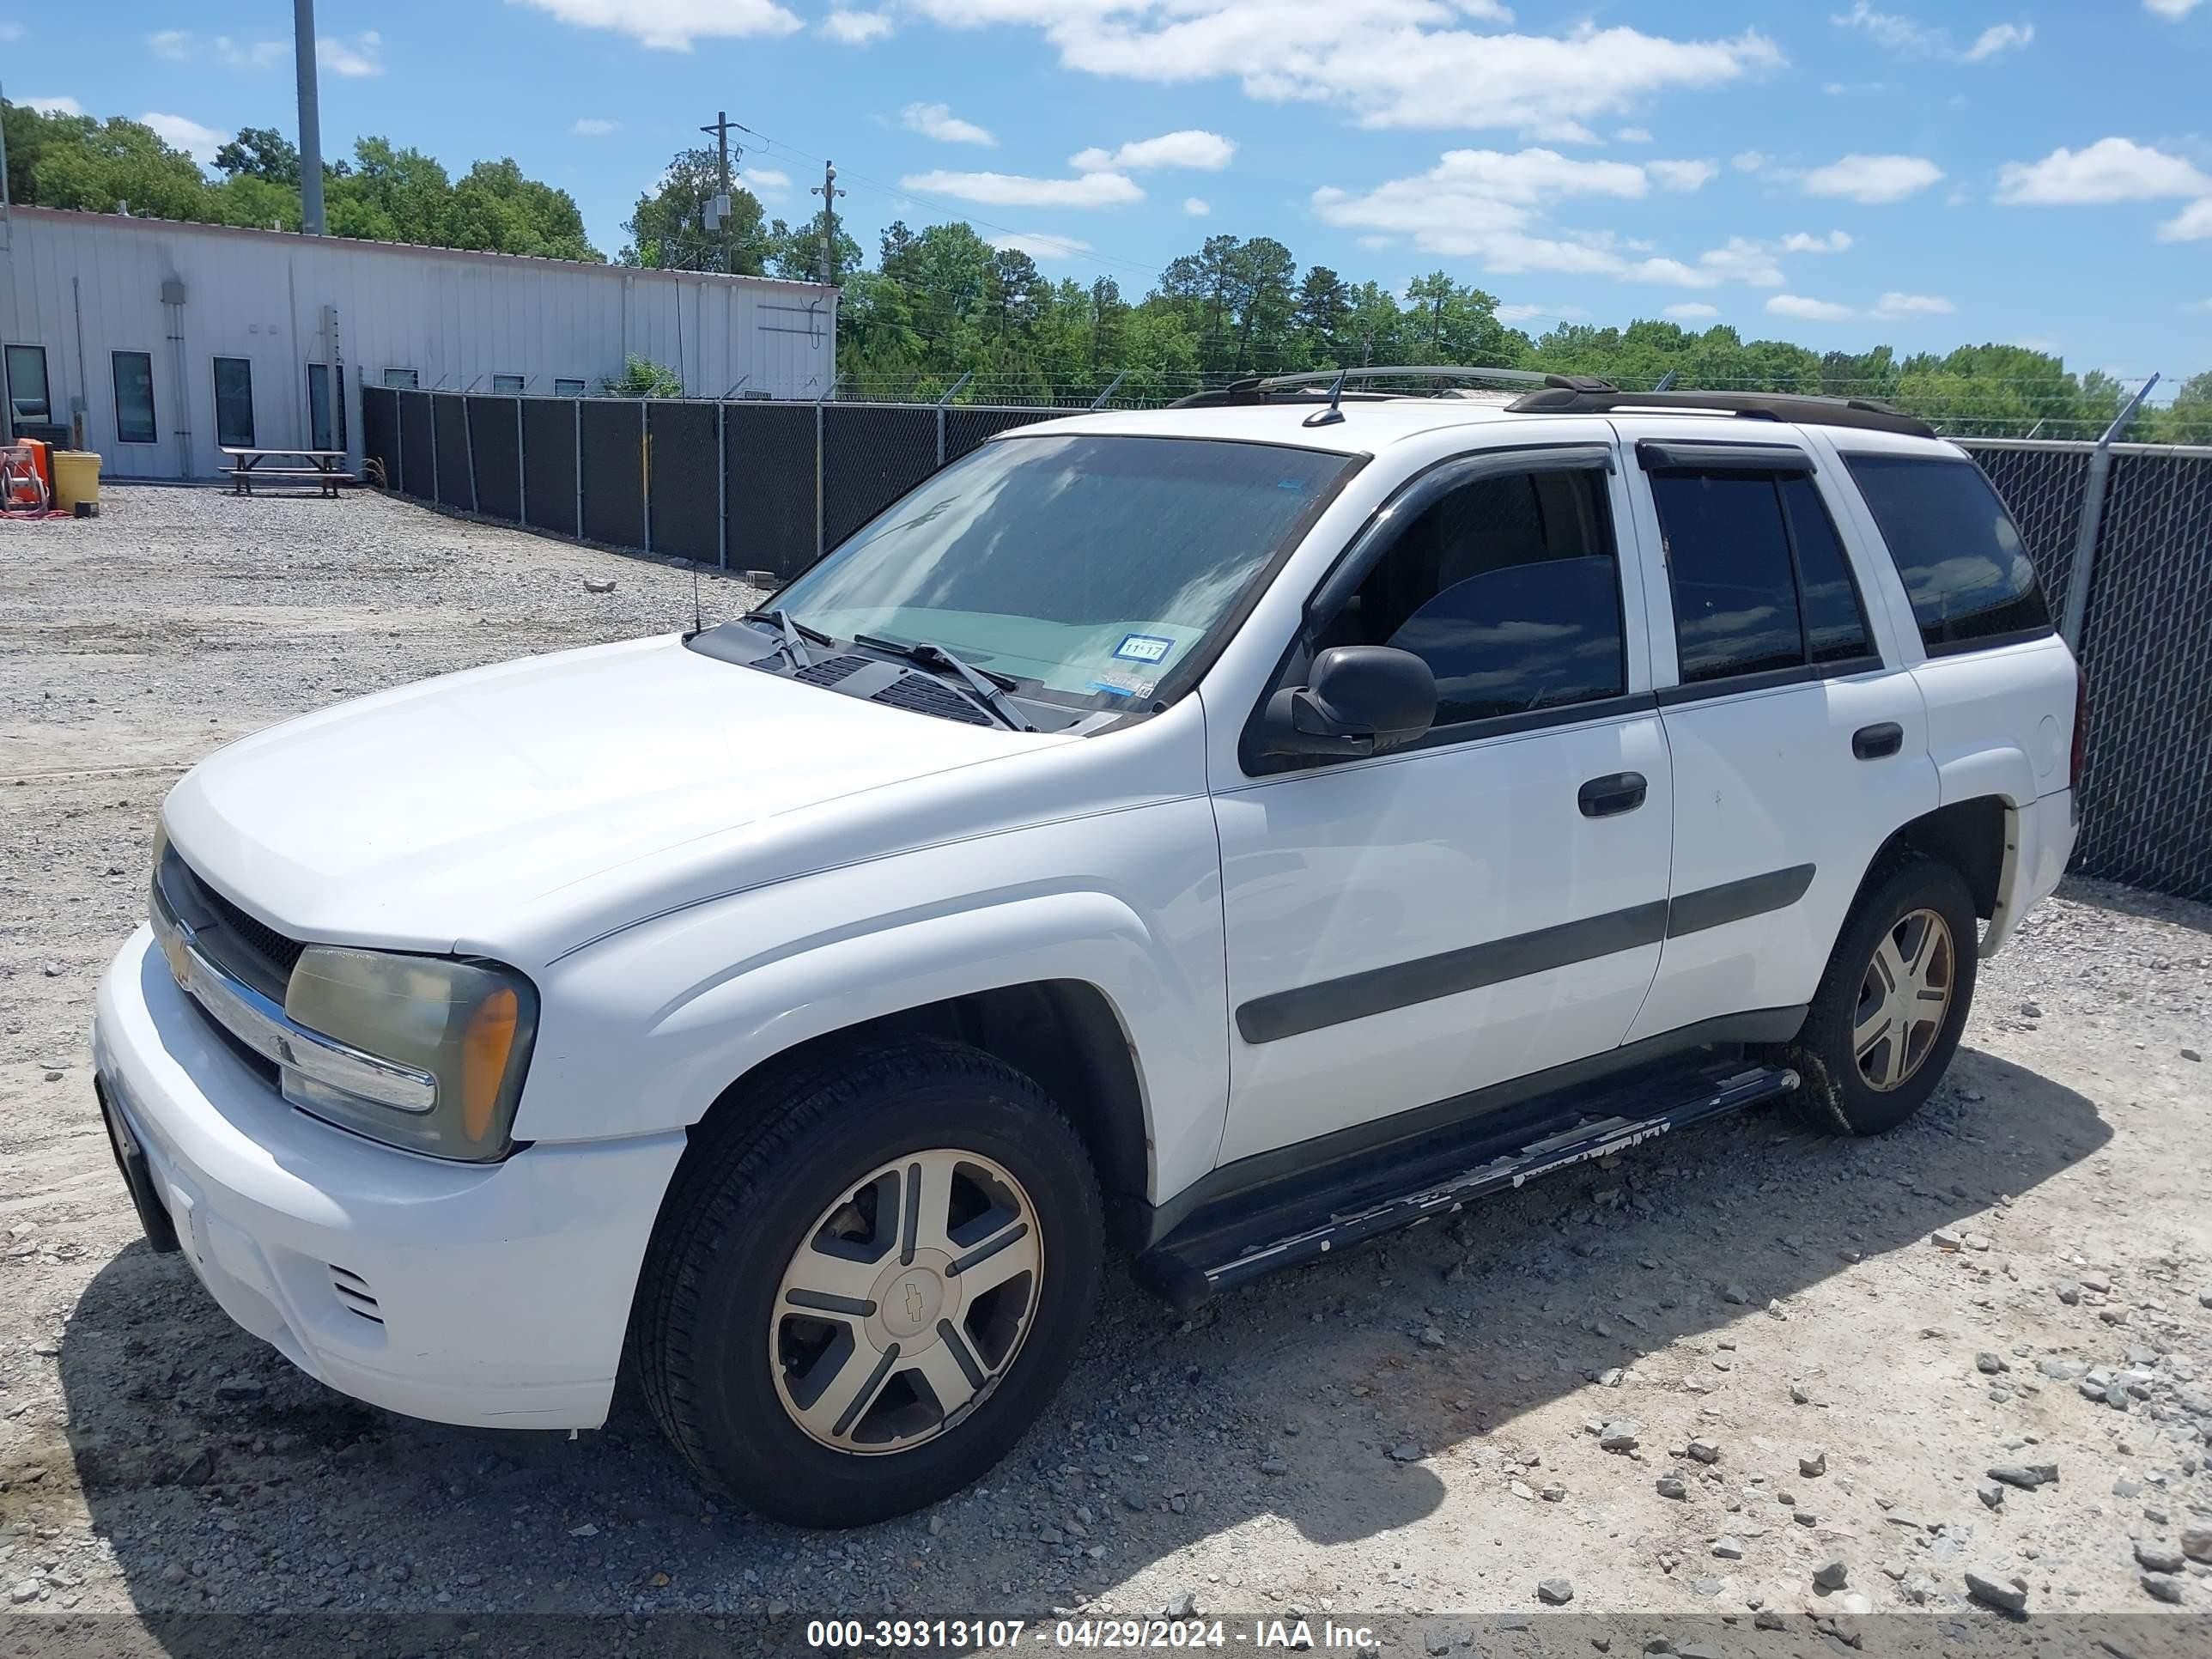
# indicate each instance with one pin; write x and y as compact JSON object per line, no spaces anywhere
{"x":1323,"y":382}
{"x":1868,"y":413}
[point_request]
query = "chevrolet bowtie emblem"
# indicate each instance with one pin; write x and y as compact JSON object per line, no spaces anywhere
{"x":913,"y":1300}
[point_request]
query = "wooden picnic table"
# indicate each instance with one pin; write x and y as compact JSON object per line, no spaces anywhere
{"x":324,"y":468}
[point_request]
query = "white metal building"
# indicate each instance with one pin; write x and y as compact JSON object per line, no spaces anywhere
{"x":157,"y":343}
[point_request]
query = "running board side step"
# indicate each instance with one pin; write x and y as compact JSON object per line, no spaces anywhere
{"x":1199,"y":1262}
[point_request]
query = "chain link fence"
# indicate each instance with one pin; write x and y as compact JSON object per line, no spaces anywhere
{"x":768,"y":487}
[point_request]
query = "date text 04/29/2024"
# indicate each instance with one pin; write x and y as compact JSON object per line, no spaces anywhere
{"x":1011,"y":1635}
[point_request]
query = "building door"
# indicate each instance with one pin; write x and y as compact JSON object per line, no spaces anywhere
{"x":234,"y":402}
{"x":29,"y":401}
{"x":1408,"y":927}
{"x":325,"y":413}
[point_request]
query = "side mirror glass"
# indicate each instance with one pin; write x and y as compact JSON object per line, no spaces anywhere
{"x":1358,"y":699}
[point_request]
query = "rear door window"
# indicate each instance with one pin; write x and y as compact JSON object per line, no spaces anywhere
{"x":1961,"y":557}
{"x":1727,"y":560}
{"x":1835,"y":619}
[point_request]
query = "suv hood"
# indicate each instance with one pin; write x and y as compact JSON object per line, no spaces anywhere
{"x":441,"y":815}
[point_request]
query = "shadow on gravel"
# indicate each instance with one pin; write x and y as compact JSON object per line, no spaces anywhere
{"x":229,"y":1483}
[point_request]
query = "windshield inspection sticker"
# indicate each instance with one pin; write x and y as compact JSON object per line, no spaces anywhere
{"x":1124,"y":686}
{"x":1144,"y":647}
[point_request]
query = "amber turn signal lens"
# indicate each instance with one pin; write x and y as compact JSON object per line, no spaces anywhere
{"x":484,"y":1049}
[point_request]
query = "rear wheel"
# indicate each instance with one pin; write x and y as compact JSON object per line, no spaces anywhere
{"x":864,"y":1290}
{"x":1887,"y":1017}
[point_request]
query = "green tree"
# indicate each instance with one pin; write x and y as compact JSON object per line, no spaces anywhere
{"x":497,"y":208}
{"x":260,"y":153}
{"x":668,"y":227}
{"x":795,"y":253}
{"x":29,"y":133}
{"x":103,"y":166}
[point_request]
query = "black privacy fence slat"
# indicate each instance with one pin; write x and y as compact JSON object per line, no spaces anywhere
{"x":418,"y":470}
{"x":768,"y":460}
{"x":871,"y":454}
{"x":449,"y":422}
{"x":380,"y":434}
{"x":549,"y":465}
{"x":683,"y":485}
{"x":495,"y":450}
{"x":768,"y":486}
{"x":614,"y":472}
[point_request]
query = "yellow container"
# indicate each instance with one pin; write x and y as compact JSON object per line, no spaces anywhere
{"x":76,"y":478}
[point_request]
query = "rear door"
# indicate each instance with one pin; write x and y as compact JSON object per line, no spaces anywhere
{"x":1798,"y":737}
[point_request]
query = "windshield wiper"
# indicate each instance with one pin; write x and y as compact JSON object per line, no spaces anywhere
{"x":989,"y":688}
{"x":791,"y":637}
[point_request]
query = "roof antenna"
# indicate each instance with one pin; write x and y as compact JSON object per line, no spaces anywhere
{"x":698,"y":616}
{"x":1332,"y":415}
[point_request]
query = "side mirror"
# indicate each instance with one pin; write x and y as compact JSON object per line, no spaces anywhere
{"x":1359,"y":700}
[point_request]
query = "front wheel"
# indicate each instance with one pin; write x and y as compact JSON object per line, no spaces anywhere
{"x":1887,"y":1019}
{"x":863,"y":1293}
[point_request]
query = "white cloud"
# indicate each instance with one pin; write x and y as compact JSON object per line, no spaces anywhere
{"x":1487,"y":205}
{"x":594,"y":126}
{"x":2176,"y":9}
{"x":1197,"y":206}
{"x":174,"y":45}
{"x":1633,"y":135}
{"x":2198,"y":304}
{"x":769,"y":184}
{"x":1899,"y":32}
{"x":11,"y":31}
{"x":938,"y":122}
{"x":1808,"y":311}
{"x":1395,"y":63}
{"x":267,"y":54}
{"x":1091,"y":189}
{"x":1893,"y":305}
{"x":361,"y":55}
{"x":1800,"y":242}
{"x":1999,"y":38}
{"x":1872,"y":179}
{"x":1193,"y":147}
{"x":1526,"y":313}
{"x":2192,"y":224}
{"x":1749,"y":161}
{"x":54,"y":106}
{"x":673,"y":25}
{"x":198,"y":142}
{"x":2110,"y":170}
{"x":1683,"y":175}
{"x":1039,"y":246}
{"x":855,"y":28}
{"x":1692,"y":311}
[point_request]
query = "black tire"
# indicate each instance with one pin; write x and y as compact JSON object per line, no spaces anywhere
{"x":1834,"y":1094}
{"x":753,"y":1182}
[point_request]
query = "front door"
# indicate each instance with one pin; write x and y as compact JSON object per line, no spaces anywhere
{"x":1408,"y":927}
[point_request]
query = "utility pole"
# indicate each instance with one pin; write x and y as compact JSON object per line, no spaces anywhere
{"x":721,"y":131}
{"x":829,"y":193}
{"x":311,"y":119}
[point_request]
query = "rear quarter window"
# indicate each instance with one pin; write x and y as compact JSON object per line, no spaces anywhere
{"x":1959,"y":554}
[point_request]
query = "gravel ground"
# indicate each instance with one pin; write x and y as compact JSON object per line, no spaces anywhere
{"x":1745,"y":1376}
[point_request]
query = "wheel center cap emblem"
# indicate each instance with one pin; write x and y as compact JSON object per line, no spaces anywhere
{"x":914,"y":1306}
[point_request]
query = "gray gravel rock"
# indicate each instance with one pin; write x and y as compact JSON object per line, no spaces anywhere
{"x":1832,"y":1575}
{"x":1555,"y":1592}
{"x":2196,"y":1545}
{"x":2158,"y":1557}
{"x":1997,"y":1593}
{"x":2161,"y":1588}
{"x":1670,"y":1486}
{"x":2026,"y":1476}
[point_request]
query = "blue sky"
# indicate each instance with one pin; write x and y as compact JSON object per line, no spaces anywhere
{"x":1838,"y":174}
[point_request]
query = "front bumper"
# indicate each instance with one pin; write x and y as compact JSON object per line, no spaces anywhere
{"x":492,"y":1295}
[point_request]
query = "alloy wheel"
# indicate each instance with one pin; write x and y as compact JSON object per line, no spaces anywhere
{"x":1902,"y":1000}
{"x":906,"y":1302}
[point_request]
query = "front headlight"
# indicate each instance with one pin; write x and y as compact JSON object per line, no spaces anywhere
{"x":468,"y":1025}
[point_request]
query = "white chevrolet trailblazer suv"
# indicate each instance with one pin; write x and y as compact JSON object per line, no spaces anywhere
{"x":1232,"y":831}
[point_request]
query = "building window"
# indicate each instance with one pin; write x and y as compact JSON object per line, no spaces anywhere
{"x":568,"y":388}
{"x":234,"y":402}
{"x":402,"y":380}
{"x":28,"y":401}
{"x":509,"y":386}
{"x":325,"y":416}
{"x":134,"y":396}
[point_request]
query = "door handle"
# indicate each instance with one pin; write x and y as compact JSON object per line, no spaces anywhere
{"x":1874,"y":742}
{"x":1603,"y":798}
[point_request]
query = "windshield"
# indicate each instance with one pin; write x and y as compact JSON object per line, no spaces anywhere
{"x":1088,"y":569}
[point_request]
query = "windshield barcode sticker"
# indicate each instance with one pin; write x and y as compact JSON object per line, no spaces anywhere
{"x":1144,"y":647}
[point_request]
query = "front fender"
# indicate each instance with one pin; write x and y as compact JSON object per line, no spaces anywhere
{"x":643,"y":1031}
